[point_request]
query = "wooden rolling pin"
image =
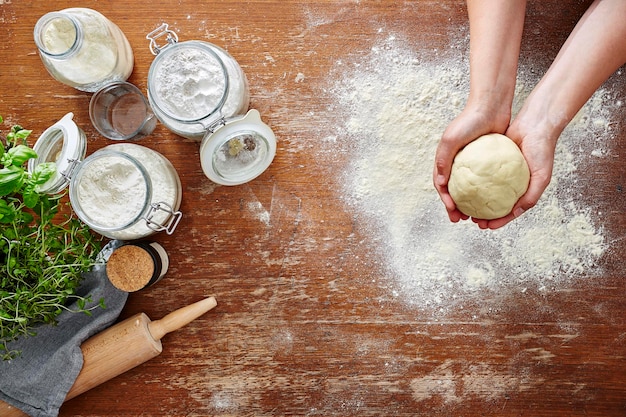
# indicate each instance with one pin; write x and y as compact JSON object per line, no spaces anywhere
{"x":122,"y":347}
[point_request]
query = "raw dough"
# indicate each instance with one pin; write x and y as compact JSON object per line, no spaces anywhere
{"x":488,"y":176}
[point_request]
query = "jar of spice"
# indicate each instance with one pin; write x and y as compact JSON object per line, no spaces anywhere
{"x":83,"y":49}
{"x":192,"y":84}
{"x":123,"y":191}
{"x":134,"y":266}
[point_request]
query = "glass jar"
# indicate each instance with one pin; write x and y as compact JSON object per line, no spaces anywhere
{"x":126,"y":191}
{"x":83,"y":49}
{"x":123,"y":191}
{"x":138,"y":265}
{"x":192,"y":84}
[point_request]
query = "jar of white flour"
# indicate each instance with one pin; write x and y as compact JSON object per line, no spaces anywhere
{"x":123,"y":191}
{"x":192,"y":84}
{"x":83,"y":49}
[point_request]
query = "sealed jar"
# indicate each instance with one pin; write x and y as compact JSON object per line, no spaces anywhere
{"x":83,"y":49}
{"x":123,"y":191}
{"x":237,"y":150}
{"x":134,"y":266}
{"x":192,"y":84}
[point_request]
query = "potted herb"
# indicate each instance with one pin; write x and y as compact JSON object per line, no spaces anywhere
{"x":44,"y":249}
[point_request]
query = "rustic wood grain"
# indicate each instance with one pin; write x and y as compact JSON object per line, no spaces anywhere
{"x":303,"y":326}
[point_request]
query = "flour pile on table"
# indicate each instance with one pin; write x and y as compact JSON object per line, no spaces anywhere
{"x":396,"y":105}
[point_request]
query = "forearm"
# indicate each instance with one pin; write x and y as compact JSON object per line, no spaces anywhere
{"x":495,"y":35}
{"x":593,"y":51}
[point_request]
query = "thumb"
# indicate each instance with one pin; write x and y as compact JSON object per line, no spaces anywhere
{"x":537,"y":185}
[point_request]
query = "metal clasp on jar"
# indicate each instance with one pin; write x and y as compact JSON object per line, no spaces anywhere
{"x":172,"y":221}
{"x":69,"y":171}
{"x":163,"y":30}
{"x":213,"y":126}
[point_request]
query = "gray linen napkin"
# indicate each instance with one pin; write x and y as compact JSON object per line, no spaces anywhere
{"x":38,"y":381}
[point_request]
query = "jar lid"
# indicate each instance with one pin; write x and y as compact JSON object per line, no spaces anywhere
{"x":237,"y":150}
{"x":64,"y":144}
{"x":135,"y":266}
{"x":188,"y":81}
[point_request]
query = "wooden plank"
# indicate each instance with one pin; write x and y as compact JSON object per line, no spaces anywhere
{"x":310,"y":320}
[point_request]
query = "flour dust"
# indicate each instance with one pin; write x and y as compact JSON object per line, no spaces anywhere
{"x":396,"y":103}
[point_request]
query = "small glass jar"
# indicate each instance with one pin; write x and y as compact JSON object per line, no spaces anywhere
{"x":134,"y":266}
{"x":123,"y":191}
{"x":192,"y":84}
{"x":83,"y":49}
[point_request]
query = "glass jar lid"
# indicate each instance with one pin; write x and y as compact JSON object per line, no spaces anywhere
{"x":187,"y":81}
{"x":63,"y":143}
{"x":238,"y":150}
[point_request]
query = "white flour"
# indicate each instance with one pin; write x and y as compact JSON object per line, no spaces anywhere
{"x":396,"y":106}
{"x":111,"y":191}
{"x":189,"y":83}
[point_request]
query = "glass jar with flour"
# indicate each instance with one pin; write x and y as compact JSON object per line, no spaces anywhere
{"x":83,"y":49}
{"x":192,"y":84}
{"x":123,"y":191}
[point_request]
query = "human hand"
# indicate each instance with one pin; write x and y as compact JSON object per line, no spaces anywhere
{"x":538,"y":147}
{"x":472,"y":123}
{"x":592,"y":52}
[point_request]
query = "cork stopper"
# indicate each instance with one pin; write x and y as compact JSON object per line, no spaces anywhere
{"x":130,"y":268}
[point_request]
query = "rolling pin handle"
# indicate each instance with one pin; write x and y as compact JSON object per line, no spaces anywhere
{"x":179,"y":318}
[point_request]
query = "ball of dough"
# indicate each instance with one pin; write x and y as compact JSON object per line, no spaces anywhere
{"x":488,"y":176}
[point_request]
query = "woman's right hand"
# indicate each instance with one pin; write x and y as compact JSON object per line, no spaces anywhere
{"x":473,"y":122}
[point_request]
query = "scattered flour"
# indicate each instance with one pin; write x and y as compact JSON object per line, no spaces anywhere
{"x":299,"y":77}
{"x":396,"y":104}
{"x":452,"y":382}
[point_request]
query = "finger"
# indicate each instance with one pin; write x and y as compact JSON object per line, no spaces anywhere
{"x":538,"y":183}
{"x":502,"y":221}
{"x":456,"y":216}
{"x":453,"y":213}
{"x":448,"y":147}
{"x":443,"y":166}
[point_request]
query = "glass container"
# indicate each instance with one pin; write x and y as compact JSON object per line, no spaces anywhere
{"x":123,"y":191}
{"x":138,"y":265}
{"x":83,"y":49}
{"x":192,"y":84}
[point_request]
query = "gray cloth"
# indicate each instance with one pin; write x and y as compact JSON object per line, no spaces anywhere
{"x":38,"y":381}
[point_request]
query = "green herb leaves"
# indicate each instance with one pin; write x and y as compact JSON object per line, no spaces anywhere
{"x":43,"y":248}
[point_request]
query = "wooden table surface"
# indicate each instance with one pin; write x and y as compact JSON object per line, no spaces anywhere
{"x":312,"y":320}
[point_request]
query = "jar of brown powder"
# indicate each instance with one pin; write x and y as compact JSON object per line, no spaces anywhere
{"x":135,"y":266}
